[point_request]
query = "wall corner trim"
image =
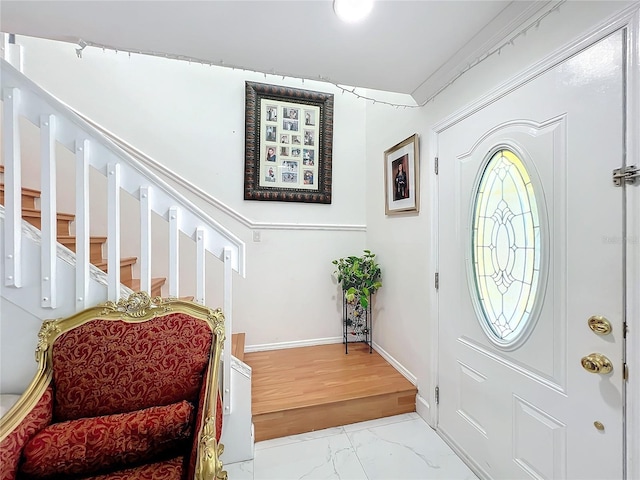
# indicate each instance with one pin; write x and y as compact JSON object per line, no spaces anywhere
{"x":396,"y":364}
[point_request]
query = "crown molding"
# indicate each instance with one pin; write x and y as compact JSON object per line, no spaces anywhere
{"x":513,"y":16}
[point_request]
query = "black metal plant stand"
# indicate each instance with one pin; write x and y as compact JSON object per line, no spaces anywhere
{"x":356,"y":322}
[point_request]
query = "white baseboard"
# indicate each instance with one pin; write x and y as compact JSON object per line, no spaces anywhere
{"x":396,"y":364}
{"x":423,"y":409}
{"x":480,"y":472}
{"x":294,"y":344}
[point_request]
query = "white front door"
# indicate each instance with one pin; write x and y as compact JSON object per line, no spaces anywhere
{"x":529,"y":249}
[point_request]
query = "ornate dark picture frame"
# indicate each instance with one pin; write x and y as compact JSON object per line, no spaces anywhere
{"x":288,"y":144}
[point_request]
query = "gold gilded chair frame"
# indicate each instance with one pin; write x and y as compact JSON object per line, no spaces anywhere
{"x":139,"y":307}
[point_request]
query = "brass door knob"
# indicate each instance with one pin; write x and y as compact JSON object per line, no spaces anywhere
{"x":597,"y":363}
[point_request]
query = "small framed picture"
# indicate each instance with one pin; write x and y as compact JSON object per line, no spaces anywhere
{"x":401,"y":177}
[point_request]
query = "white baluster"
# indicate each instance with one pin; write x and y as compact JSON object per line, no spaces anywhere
{"x":174,"y":254}
{"x":113,"y":231}
{"x":49,"y":225}
{"x":200,"y":265}
{"x":228,"y":329}
{"x":82,"y":223}
{"x":145,"y":239}
{"x":13,"y":188}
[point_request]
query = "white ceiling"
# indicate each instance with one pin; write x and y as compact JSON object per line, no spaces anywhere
{"x":412,"y":47}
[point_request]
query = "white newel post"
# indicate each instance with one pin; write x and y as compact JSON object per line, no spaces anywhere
{"x":200,"y":265}
{"x":145,"y":239}
{"x":13,"y":53}
{"x":13,"y":188}
{"x":49,"y":225}
{"x":174,"y":253}
{"x":228,"y":329}
{"x":82,"y":223}
{"x":113,"y":231}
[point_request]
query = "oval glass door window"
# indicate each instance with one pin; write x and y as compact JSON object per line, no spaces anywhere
{"x":506,"y":247}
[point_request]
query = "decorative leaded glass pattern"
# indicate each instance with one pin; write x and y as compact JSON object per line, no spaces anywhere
{"x":506,"y":245}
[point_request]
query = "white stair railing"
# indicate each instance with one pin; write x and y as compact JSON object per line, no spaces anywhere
{"x":22,"y":98}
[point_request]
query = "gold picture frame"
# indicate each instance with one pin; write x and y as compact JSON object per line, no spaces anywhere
{"x":402,"y":177}
{"x":288,"y":144}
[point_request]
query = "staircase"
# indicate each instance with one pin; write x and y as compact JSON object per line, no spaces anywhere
{"x":33,"y":215}
{"x":53,"y":267}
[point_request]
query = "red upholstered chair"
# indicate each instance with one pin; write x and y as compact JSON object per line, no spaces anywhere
{"x":123,"y":391}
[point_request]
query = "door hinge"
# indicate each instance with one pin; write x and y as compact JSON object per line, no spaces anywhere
{"x":625,"y":371}
{"x":435,"y":165}
{"x":626,"y":175}
{"x":437,"y":281}
{"x":437,"y":395}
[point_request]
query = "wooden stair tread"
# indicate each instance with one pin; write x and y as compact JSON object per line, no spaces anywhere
{"x":95,"y":246}
{"x":29,"y":196}
{"x":31,"y":192}
{"x":156,"y":282}
{"x":103,"y":265}
{"x":33,"y":212}
{"x":65,"y":239}
{"x":237,"y":345}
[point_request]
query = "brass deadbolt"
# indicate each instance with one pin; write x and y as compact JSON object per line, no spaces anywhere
{"x":599,"y":325}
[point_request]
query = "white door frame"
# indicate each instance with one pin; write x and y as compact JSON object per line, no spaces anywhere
{"x":630,"y":18}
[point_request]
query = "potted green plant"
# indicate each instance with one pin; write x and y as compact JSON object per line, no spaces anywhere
{"x":359,"y":277}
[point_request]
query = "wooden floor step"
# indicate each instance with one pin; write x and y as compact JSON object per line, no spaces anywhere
{"x":126,"y":268}
{"x":156,"y":285}
{"x":34,"y":217}
{"x":95,"y":245}
{"x":237,"y":345}
{"x":300,"y":390}
{"x":29,"y":196}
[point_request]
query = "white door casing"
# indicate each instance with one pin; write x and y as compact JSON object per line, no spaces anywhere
{"x":528,"y":409}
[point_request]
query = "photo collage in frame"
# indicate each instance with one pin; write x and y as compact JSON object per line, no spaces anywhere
{"x":289,"y":141}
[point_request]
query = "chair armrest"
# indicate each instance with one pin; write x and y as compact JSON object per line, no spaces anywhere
{"x":204,"y":440}
{"x":207,"y":449}
{"x":14,"y":435}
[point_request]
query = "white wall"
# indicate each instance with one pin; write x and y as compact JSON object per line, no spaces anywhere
{"x":403,"y":320}
{"x":190,"y":118}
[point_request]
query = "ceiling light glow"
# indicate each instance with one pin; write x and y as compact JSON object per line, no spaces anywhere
{"x":352,"y":11}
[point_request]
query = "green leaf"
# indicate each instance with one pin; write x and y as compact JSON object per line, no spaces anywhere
{"x":358,"y":276}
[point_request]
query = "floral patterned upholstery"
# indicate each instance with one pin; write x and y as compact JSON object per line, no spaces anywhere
{"x":12,"y":445}
{"x":123,"y":391}
{"x":89,"y":445}
{"x":166,"y":470}
{"x":102,"y":368}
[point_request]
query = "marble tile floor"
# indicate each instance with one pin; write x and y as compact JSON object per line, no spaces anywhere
{"x":392,"y":448}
